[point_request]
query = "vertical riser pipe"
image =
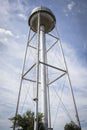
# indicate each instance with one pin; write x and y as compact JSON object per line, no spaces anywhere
{"x":43,"y":77}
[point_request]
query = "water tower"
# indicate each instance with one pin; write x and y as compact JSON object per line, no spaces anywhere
{"x":42,"y":21}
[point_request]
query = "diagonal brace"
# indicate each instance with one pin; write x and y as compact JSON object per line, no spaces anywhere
{"x":52,"y":45}
{"x":28,"y":70}
{"x":53,"y":36}
{"x":57,"y":78}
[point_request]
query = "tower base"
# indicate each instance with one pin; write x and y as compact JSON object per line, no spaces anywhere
{"x":50,"y":128}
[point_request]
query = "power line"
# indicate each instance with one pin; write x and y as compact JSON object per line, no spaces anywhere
{"x":66,"y":111}
{"x":27,"y":94}
{"x":58,"y":105}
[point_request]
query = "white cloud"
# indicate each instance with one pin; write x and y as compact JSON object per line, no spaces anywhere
{"x":76,"y":69}
{"x":5,"y":32}
{"x":22,"y":16}
{"x":71,"y":5}
{"x":9,"y":10}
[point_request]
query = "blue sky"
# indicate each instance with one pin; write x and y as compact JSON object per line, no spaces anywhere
{"x":71,"y":20}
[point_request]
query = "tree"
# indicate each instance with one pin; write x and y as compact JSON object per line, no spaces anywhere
{"x":26,"y":121}
{"x":71,"y":126}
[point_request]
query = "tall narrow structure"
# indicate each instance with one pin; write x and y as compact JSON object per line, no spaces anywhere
{"x":42,"y":22}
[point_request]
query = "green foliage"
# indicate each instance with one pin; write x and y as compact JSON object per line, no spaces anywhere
{"x":26,"y":121}
{"x":71,"y":126}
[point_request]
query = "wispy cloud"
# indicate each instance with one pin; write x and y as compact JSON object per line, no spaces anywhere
{"x":71,"y":5}
{"x":69,"y":8}
{"x":22,"y":16}
{"x":5,"y":32}
{"x":76,"y":68}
